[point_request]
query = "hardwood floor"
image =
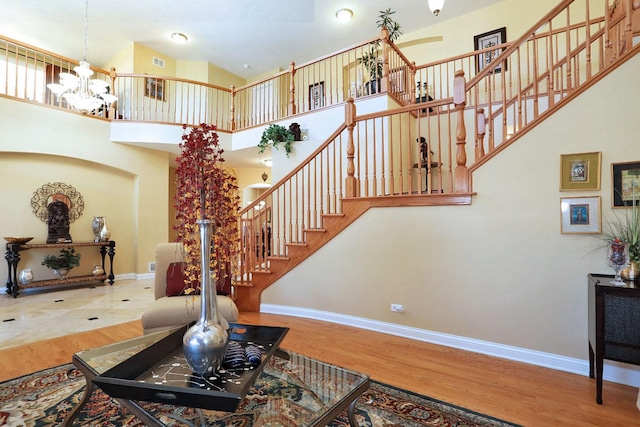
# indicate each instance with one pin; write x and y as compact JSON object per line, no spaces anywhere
{"x":520,"y":393}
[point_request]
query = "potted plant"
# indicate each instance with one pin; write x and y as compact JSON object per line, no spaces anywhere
{"x":61,"y":264}
{"x":626,"y":228}
{"x":275,"y":135}
{"x":371,"y":59}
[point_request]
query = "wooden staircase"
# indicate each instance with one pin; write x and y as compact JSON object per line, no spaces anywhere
{"x":353,"y":188}
{"x":248,"y":294}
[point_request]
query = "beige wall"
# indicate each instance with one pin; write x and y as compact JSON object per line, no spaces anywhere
{"x":457,"y":35}
{"x":143,"y":62}
{"x":498,"y":270}
{"x":126,"y":184}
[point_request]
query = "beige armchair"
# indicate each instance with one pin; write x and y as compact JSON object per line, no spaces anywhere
{"x":167,"y":311}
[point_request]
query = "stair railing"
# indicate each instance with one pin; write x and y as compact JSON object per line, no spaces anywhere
{"x":529,"y":79}
{"x":395,"y":154}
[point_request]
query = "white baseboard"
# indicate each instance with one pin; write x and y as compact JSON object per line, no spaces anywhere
{"x":613,"y":371}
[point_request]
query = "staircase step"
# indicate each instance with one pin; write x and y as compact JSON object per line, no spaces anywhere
{"x":277,"y":258}
{"x":314,"y":230}
{"x":296,"y":245}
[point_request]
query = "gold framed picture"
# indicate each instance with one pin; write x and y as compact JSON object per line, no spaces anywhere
{"x":580,"y":171}
{"x":580,"y":215}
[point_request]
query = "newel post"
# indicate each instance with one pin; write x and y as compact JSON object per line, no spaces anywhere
{"x":461,"y":174}
{"x":232,"y":121}
{"x":112,"y":91}
{"x":480,"y":131}
{"x":350,"y":184}
{"x":384,"y":80}
{"x":292,"y":90}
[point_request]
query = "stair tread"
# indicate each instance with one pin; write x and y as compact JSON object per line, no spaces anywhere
{"x":311,"y":230}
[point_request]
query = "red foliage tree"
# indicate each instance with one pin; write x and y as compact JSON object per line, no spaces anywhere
{"x":205,"y":190}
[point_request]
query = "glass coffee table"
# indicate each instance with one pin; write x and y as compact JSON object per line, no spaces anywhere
{"x":290,"y":389}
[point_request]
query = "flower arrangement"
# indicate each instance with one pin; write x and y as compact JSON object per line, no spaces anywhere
{"x":205,"y":190}
{"x":67,"y":259}
{"x":626,"y":227}
{"x":275,"y":135}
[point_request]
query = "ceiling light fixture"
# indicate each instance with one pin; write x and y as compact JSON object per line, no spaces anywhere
{"x":266,"y":162}
{"x":179,"y":38}
{"x":436,"y":6}
{"x":344,"y":15}
{"x":81,"y":93}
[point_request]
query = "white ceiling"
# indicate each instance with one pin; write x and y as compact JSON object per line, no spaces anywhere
{"x":264,"y":34}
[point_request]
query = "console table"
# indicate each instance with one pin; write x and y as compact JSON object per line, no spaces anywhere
{"x":614,"y":325}
{"x":12,"y":256}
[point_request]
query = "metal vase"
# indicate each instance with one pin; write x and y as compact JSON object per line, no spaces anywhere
{"x":96,"y":226}
{"x":204,"y":344}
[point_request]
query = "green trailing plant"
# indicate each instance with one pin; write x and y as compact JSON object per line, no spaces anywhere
{"x":276,"y":135}
{"x":68,"y":258}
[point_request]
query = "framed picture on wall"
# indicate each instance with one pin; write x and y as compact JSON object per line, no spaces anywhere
{"x":316,"y":95}
{"x":580,"y":215}
{"x":580,"y":171}
{"x":625,"y":178}
{"x":154,"y":88}
{"x":488,"y":40}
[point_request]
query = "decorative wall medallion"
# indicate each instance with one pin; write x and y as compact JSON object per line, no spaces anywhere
{"x":57,"y":192}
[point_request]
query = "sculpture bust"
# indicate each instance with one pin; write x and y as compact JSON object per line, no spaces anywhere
{"x":58,"y":222}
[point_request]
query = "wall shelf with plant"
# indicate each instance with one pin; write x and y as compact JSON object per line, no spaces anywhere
{"x":275,"y":136}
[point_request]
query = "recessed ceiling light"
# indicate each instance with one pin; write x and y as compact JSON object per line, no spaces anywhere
{"x":344,"y":15}
{"x":179,"y":38}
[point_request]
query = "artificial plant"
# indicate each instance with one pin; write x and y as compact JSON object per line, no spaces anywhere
{"x":275,"y":135}
{"x":68,"y":258}
{"x":205,"y":190}
{"x":371,"y":59}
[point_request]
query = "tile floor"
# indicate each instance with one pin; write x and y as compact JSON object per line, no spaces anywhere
{"x":42,"y":313}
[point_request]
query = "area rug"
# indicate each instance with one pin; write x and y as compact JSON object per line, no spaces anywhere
{"x":44,"y":398}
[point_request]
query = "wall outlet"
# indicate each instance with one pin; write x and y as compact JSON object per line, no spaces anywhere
{"x":152,"y":266}
{"x":397,"y":308}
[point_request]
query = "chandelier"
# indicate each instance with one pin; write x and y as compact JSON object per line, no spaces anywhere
{"x":82,"y":93}
{"x":436,"y":6}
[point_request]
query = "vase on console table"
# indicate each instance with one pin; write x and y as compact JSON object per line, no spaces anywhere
{"x":96,"y":227}
{"x":105,"y":234}
{"x":618,"y":259}
{"x":205,"y":343}
{"x":26,"y":276}
{"x":61,"y":272}
{"x":630,"y":272}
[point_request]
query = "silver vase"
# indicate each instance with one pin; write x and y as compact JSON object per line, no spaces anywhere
{"x":204,"y":344}
{"x":105,"y":234}
{"x":96,"y":227}
{"x":26,"y":276}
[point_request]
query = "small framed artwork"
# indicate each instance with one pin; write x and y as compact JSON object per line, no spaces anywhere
{"x":580,"y":171}
{"x":486,"y":41}
{"x":580,"y":215}
{"x":316,"y":95}
{"x":154,"y":88}
{"x":625,"y":178}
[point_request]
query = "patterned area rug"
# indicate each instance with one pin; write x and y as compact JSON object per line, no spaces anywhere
{"x":44,"y":398}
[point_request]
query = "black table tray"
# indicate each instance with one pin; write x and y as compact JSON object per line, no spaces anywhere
{"x":160,"y":373}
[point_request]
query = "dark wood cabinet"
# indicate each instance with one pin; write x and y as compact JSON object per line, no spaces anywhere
{"x":614,"y":325}
{"x":12,"y":255}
